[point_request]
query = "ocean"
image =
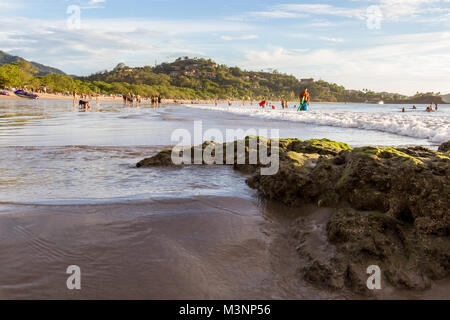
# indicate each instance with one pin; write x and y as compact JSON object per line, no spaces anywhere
{"x":70,"y":194}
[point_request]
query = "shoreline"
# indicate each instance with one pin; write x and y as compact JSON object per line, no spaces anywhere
{"x":51,"y":97}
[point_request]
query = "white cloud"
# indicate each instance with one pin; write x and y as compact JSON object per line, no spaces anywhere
{"x":244,"y":37}
{"x":394,"y":63}
{"x":322,"y":9}
{"x":101,"y":43}
{"x":7,"y":5}
{"x":398,"y":9}
{"x":277,"y":14}
{"x":331,"y":39}
{"x":391,"y":10}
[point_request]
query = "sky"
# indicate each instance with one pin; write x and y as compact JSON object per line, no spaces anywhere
{"x":382,"y":45}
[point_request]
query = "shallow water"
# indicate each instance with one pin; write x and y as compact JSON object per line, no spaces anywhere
{"x":57,"y":123}
{"x":70,"y":194}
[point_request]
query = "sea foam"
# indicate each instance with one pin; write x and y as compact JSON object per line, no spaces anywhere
{"x":433,"y":128}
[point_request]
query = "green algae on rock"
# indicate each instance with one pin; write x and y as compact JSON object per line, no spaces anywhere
{"x":445,"y":147}
{"x":392,"y":206}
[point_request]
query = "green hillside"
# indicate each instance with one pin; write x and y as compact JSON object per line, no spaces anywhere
{"x":40,"y":69}
{"x":203,"y":78}
{"x":187,"y":78}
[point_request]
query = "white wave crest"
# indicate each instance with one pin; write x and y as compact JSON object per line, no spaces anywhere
{"x":433,"y":128}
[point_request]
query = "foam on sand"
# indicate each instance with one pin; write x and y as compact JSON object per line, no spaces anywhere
{"x":433,"y":128}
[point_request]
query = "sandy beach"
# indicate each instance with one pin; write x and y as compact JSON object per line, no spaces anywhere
{"x":50,"y":96}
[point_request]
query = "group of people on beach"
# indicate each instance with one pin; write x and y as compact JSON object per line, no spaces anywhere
{"x":130,"y":99}
{"x":83,"y":101}
{"x":305,"y":99}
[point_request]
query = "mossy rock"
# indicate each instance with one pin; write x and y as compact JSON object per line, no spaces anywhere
{"x":163,"y":158}
{"x":393,"y":205}
{"x":322,"y":147}
{"x":445,"y":147}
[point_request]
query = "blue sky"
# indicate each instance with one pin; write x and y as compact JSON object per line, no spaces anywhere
{"x":383,"y":45}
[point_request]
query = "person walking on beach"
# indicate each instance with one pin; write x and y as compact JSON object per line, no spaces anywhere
{"x":304,"y":100}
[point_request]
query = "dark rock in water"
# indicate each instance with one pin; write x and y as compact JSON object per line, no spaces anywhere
{"x":392,"y":207}
{"x":163,"y":158}
{"x":445,"y":147}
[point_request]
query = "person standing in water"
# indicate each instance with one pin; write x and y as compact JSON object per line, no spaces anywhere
{"x":138,"y":100}
{"x":74,"y":97}
{"x":263,"y":103}
{"x":304,"y":100}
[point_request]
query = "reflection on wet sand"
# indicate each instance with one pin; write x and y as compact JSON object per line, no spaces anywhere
{"x":194,"y":248}
{"x":198,"y":248}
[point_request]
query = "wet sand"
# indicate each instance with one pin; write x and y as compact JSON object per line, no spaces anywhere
{"x":198,"y":248}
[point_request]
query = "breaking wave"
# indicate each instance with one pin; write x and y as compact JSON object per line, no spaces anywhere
{"x":433,"y":128}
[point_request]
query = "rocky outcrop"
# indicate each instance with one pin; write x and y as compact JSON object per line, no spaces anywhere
{"x":391,"y":208}
{"x":445,"y":147}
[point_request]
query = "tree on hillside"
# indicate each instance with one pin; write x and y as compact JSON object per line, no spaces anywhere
{"x":119,"y":67}
{"x":14,"y":76}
